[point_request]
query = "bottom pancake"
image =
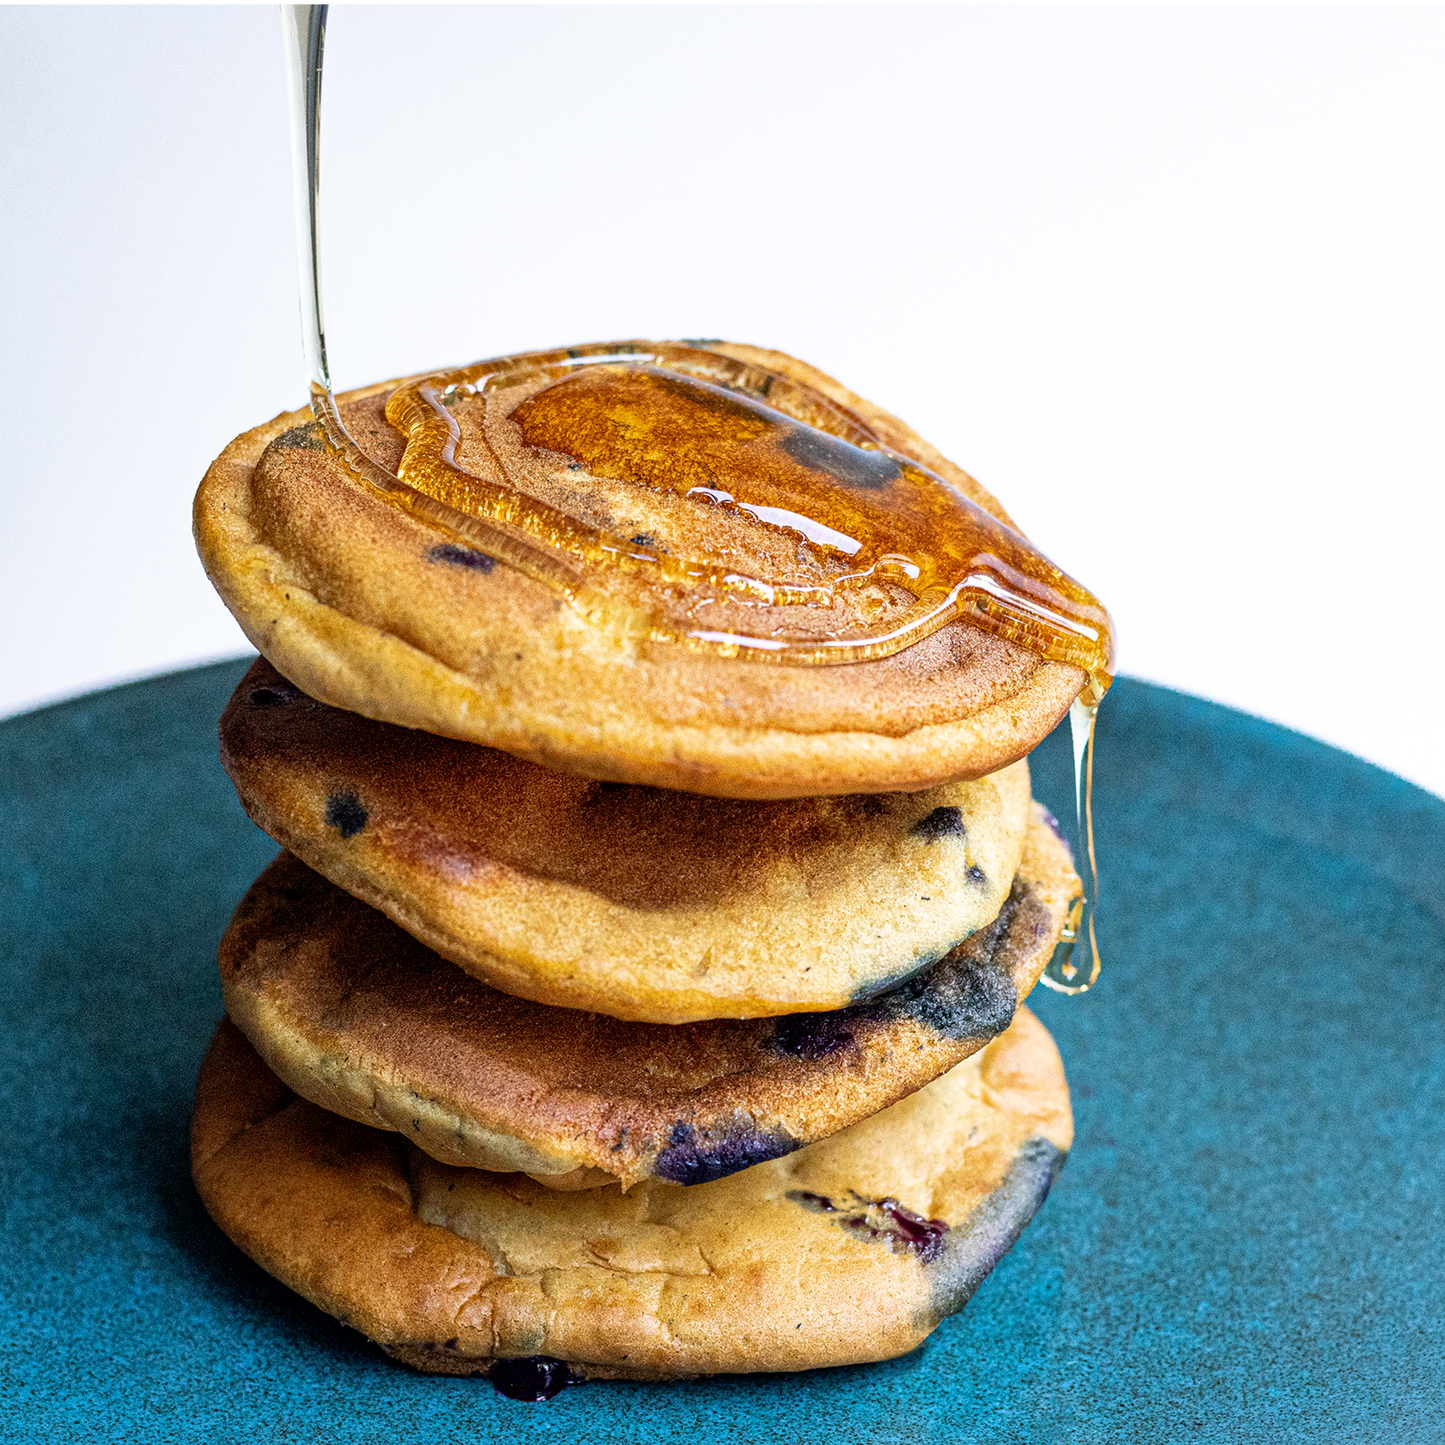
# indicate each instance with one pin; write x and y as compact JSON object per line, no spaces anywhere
{"x":849,"y":1251}
{"x":361,"y":1018}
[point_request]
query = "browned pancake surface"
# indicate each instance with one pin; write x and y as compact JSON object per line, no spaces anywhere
{"x":638,"y":902}
{"x":359,"y":1017}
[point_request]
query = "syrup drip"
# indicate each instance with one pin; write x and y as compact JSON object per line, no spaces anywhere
{"x":1064,"y":973}
{"x":811,"y":468}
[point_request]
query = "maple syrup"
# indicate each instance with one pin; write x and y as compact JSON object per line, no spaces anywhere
{"x":736,"y":438}
{"x":724,"y":433}
{"x":1066,"y":971}
{"x":728,"y":435}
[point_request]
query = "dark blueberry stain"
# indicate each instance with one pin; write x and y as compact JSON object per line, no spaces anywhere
{"x":885,"y":1219}
{"x":811,"y":1036}
{"x":976,"y":1244}
{"x":966,"y":994}
{"x":532,"y":1378}
{"x":643,"y":539}
{"x":457,"y":556}
{"x":702,"y":341}
{"x":818,"y":1203}
{"x":975,"y":874}
{"x":694,"y":1158}
{"x":345,"y":813}
{"x":272,"y":696}
{"x":890,"y":1220}
{"x":940,"y":823}
{"x":923,"y":1236}
{"x":305,"y":438}
{"x":853,"y":466}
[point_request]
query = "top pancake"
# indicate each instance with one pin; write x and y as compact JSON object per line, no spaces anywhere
{"x":367,"y":607}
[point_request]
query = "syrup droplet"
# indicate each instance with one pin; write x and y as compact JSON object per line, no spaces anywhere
{"x":532,"y":1378}
{"x":1075,"y":965}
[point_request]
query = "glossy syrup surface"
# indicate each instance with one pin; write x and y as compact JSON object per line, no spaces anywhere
{"x":1074,"y":966}
{"x":730,"y":437}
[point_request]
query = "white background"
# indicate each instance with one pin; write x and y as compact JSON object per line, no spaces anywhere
{"x":1167,"y":280}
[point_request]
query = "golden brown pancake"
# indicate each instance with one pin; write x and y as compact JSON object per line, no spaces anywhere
{"x":848,"y":1251}
{"x":633,"y":901}
{"x":367,"y":607}
{"x":357,"y":1016}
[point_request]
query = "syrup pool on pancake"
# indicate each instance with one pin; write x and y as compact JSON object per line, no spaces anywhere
{"x":729,"y":436}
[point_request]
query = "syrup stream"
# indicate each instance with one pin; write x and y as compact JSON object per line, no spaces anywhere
{"x":303,"y":36}
{"x":304,"y":40}
{"x":1065,"y":973}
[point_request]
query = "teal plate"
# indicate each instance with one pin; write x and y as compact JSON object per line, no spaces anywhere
{"x":1248,"y":1243}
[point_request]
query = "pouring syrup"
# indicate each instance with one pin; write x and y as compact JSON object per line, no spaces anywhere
{"x":722,"y":434}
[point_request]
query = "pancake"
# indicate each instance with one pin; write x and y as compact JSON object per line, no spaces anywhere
{"x":369,"y":607}
{"x":851,"y":1250}
{"x":632,"y":901}
{"x":360,"y":1018}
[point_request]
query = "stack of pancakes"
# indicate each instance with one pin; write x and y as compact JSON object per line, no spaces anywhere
{"x":616,"y":1009}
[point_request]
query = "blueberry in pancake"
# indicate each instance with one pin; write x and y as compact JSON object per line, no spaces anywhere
{"x":360,"y":1018}
{"x":627,"y":900}
{"x":850,"y":1250}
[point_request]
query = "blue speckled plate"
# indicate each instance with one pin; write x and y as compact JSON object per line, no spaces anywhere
{"x":1248,"y":1243}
